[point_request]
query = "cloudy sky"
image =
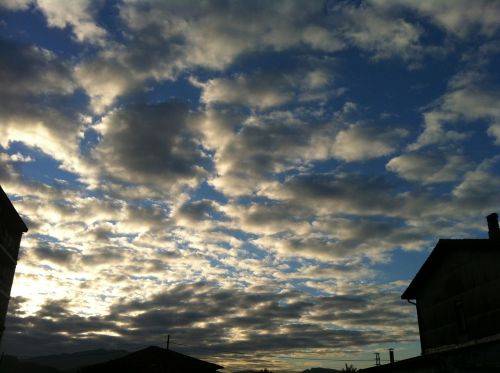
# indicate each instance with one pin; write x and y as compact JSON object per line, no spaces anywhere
{"x":258,"y":179}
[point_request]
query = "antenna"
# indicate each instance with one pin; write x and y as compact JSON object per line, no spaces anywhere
{"x":168,"y":342}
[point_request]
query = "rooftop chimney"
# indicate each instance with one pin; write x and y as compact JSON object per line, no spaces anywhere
{"x":493,"y":229}
{"x":391,"y":355}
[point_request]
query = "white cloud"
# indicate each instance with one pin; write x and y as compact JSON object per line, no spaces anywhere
{"x":266,"y":89}
{"x":458,"y":17}
{"x":428,"y":168}
{"x":104,"y":79}
{"x":261,"y":91}
{"x":383,"y":34}
{"x":18,"y":157}
{"x":361,"y":142}
{"x":466,"y":101}
{"x":78,"y":14}
{"x":15,"y":4}
{"x":478,"y":189}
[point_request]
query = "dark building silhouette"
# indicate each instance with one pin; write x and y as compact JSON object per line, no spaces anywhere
{"x":154,"y":360}
{"x":457,"y":296}
{"x":12,"y":228}
{"x":457,"y":292}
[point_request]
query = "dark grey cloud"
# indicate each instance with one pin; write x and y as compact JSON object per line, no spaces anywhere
{"x":151,"y":144}
{"x":104,"y":255}
{"x":363,"y":194}
{"x":201,"y":210}
{"x":54,"y":253}
{"x":209,"y":321}
{"x":27,"y":69}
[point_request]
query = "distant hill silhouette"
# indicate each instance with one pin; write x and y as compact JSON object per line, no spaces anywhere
{"x":311,"y":370}
{"x":71,"y":362}
{"x":11,"y":364}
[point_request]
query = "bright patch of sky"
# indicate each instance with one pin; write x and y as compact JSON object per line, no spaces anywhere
{"x":260,"y":180}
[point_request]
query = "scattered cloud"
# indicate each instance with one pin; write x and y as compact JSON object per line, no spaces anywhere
{"x":240,"y":174}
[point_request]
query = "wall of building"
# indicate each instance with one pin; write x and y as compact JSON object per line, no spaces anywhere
{"x":10,"y":240}
{"x":460,"y":303}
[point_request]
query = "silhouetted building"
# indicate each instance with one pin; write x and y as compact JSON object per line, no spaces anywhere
{"x":457,"y":293}
{"x":11,"y":229}
{"x":154,"y":360}
{"x":457,"y":296}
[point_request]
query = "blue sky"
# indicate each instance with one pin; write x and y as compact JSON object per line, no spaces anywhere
{"x":261,"y":180}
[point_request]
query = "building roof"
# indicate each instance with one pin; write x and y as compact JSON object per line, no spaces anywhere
{"x":440,"y":252}
{"x":9,"y":214}
{"x":473,"y":358}
{"x":154,"y":359}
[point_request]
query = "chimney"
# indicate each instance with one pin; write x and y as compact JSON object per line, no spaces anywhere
{"x":391,"y":355}
{"x":493,"y":229}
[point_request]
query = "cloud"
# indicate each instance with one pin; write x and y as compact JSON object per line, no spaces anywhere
{"x":477,"y":191}
{"x":226,"y":31}
{"x":381,"y":33}
{"x":331,"y":193}
{"x":57,"y":255}
{"x":267,"y":89}
{"x":460,"y":18}
{"x":15,"y":4}
{"x":165,"y":39}
{"x":261,"y":91}
{"x":257,"y":214}
{"x":104,"y":79}
{"x":77,"y":14}
{"x":270,"y":217}
{"x":361,"y":142}
{"x":465,"y":101}
{"x":32,"y":70}
{"x":152,"y":145}
{"x":35,"y":84}
{"x":260,"y":146}
{"x":212,"y":321}
{"x":245,"y":154}
{"x":347,"y":240}
{"x":428,"y":168}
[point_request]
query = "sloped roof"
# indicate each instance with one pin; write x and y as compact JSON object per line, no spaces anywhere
{"x":440,"y":252}
{"x":154,"y":359}
{"x":452,"y":359}
{"x":9,"y":214}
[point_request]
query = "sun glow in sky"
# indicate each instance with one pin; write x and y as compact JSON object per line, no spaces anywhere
{"x":258,"y":179}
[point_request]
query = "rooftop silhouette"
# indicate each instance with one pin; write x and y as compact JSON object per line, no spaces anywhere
{"x":154,"y":359}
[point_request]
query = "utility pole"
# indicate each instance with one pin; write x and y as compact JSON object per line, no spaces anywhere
{"x":167,"y":367}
